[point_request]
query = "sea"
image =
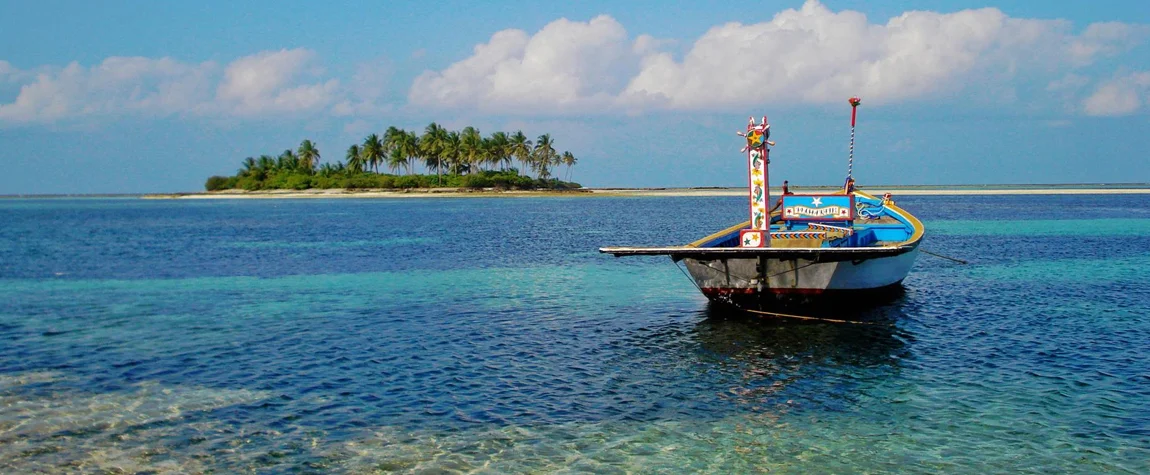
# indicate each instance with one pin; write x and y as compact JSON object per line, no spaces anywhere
{"x":488,"y":335}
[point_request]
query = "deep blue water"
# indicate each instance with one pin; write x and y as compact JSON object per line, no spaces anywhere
{"x":487,"y":334}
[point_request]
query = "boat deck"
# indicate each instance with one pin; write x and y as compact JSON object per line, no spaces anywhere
{"x":883,"y":231}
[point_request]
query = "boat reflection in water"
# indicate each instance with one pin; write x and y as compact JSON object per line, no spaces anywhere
{"x":779,"y":364}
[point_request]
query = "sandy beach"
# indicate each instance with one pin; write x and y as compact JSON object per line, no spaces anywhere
{"x":636,"y":192}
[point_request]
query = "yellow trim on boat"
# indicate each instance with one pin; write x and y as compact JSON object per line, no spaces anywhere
{"x":914,"y":222}
{"x":919,"y":230}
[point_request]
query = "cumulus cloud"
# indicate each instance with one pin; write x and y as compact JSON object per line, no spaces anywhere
{"x":1122,"y":95}
{"x":267,"y":82}
{"x":567,"y":64}
{"x":805,"y":55}
{"x":1107,"y":38}
{"x":116,"y":84}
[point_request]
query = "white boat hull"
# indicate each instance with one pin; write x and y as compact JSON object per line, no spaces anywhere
{"x":797,"y":279}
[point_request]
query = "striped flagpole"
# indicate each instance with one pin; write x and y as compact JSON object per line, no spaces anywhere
{"x":855,"y":101}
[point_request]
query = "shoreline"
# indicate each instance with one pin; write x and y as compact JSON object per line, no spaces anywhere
{"x":622,"y":192}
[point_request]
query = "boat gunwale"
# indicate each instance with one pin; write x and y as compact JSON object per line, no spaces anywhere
{"x":821,"y":254}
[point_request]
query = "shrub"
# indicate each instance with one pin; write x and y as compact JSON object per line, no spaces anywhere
{"x":297,"y":182}
{"x":362,"y":180}
{"x":409,"y":181}
{"x":326,"y":182}
{"x":478,"y":181}
{"x":249,"y":183}
{"x":217,"y":183}
{"x":385,"y":181}
{"x":277,"y":181}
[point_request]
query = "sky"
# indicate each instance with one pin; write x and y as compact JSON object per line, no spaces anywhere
{"x":144,"y":96}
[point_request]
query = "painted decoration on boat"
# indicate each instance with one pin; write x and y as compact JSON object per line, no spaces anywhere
{"x":870,"y":211}
{"x":751,"y":238}
{"x":799,"y":235}
{"x":818,"y":207}
{"x":758,"y":156}
{"x":758,"y":190}
{"x":831,"y":229}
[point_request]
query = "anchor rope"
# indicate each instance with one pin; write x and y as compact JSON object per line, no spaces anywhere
{"x":800,"y":317}
{"x":960,"y":261}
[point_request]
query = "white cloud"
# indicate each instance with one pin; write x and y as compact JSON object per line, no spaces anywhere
{"x":266,"y":82}
{"x":115,"y":85}
{"x":805,"y":55}
{"x":808,"y":55}
{"x":567,"y":64}
{"x":1106,"y":38}
{"x":814,"y":55}
{"x":1122,"y":95}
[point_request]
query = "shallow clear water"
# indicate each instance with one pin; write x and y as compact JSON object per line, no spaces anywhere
{"x":488,"y":335}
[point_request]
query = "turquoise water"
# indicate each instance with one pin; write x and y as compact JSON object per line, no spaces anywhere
{"x":475,"y":334}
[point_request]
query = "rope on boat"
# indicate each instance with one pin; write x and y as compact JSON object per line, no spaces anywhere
{"x":800,"y":317}
{"x":688,"y":276}
{"x":960,"y":261}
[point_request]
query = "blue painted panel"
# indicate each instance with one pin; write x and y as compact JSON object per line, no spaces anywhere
{"x":818,"y":207}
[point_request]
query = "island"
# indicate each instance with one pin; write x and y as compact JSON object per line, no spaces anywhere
{"x":463,"y":159}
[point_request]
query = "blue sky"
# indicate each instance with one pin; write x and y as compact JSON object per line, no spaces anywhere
{"x":100,"y":97}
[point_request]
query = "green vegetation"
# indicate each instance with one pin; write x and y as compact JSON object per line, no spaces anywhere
{"x":463,"y":159}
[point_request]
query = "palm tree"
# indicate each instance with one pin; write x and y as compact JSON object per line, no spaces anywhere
{"x":407,"y":144}
{"x":569,"y":160}
{"x":471,"y":147}
{"x":251,"y":167}
{"x":328,"y":169}
{"x":391,"y":138}
{"x":267,"y":165}
{"x":308,"y":155}
{"x":395,"y":159}
{"x":544,"y":156}
{"x":287,"y":160}
{"x":497,"y":149}
{"x":453,"y":153}
{"x":520,"y":148}
{"x":373,"y":151}
{"x":432,"y":144}
{"x":355,"y":160}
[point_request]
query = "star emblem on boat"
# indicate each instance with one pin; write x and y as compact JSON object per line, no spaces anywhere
{"x":816,"y":201}
{"x":755,"y":139}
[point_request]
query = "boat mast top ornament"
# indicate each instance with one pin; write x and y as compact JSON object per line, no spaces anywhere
{"x":757,"y":135}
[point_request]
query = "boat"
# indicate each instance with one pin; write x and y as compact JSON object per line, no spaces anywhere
{"x":843,"y":246}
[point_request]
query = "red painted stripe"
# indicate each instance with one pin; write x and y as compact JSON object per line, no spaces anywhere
{"x":712,"y":291}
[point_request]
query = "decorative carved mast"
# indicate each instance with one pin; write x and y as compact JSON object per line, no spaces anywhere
{"x":758,"y":157}
{"x":854,"y":101}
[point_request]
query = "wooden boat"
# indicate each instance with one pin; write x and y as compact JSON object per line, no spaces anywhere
{"x":810,"y":248}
